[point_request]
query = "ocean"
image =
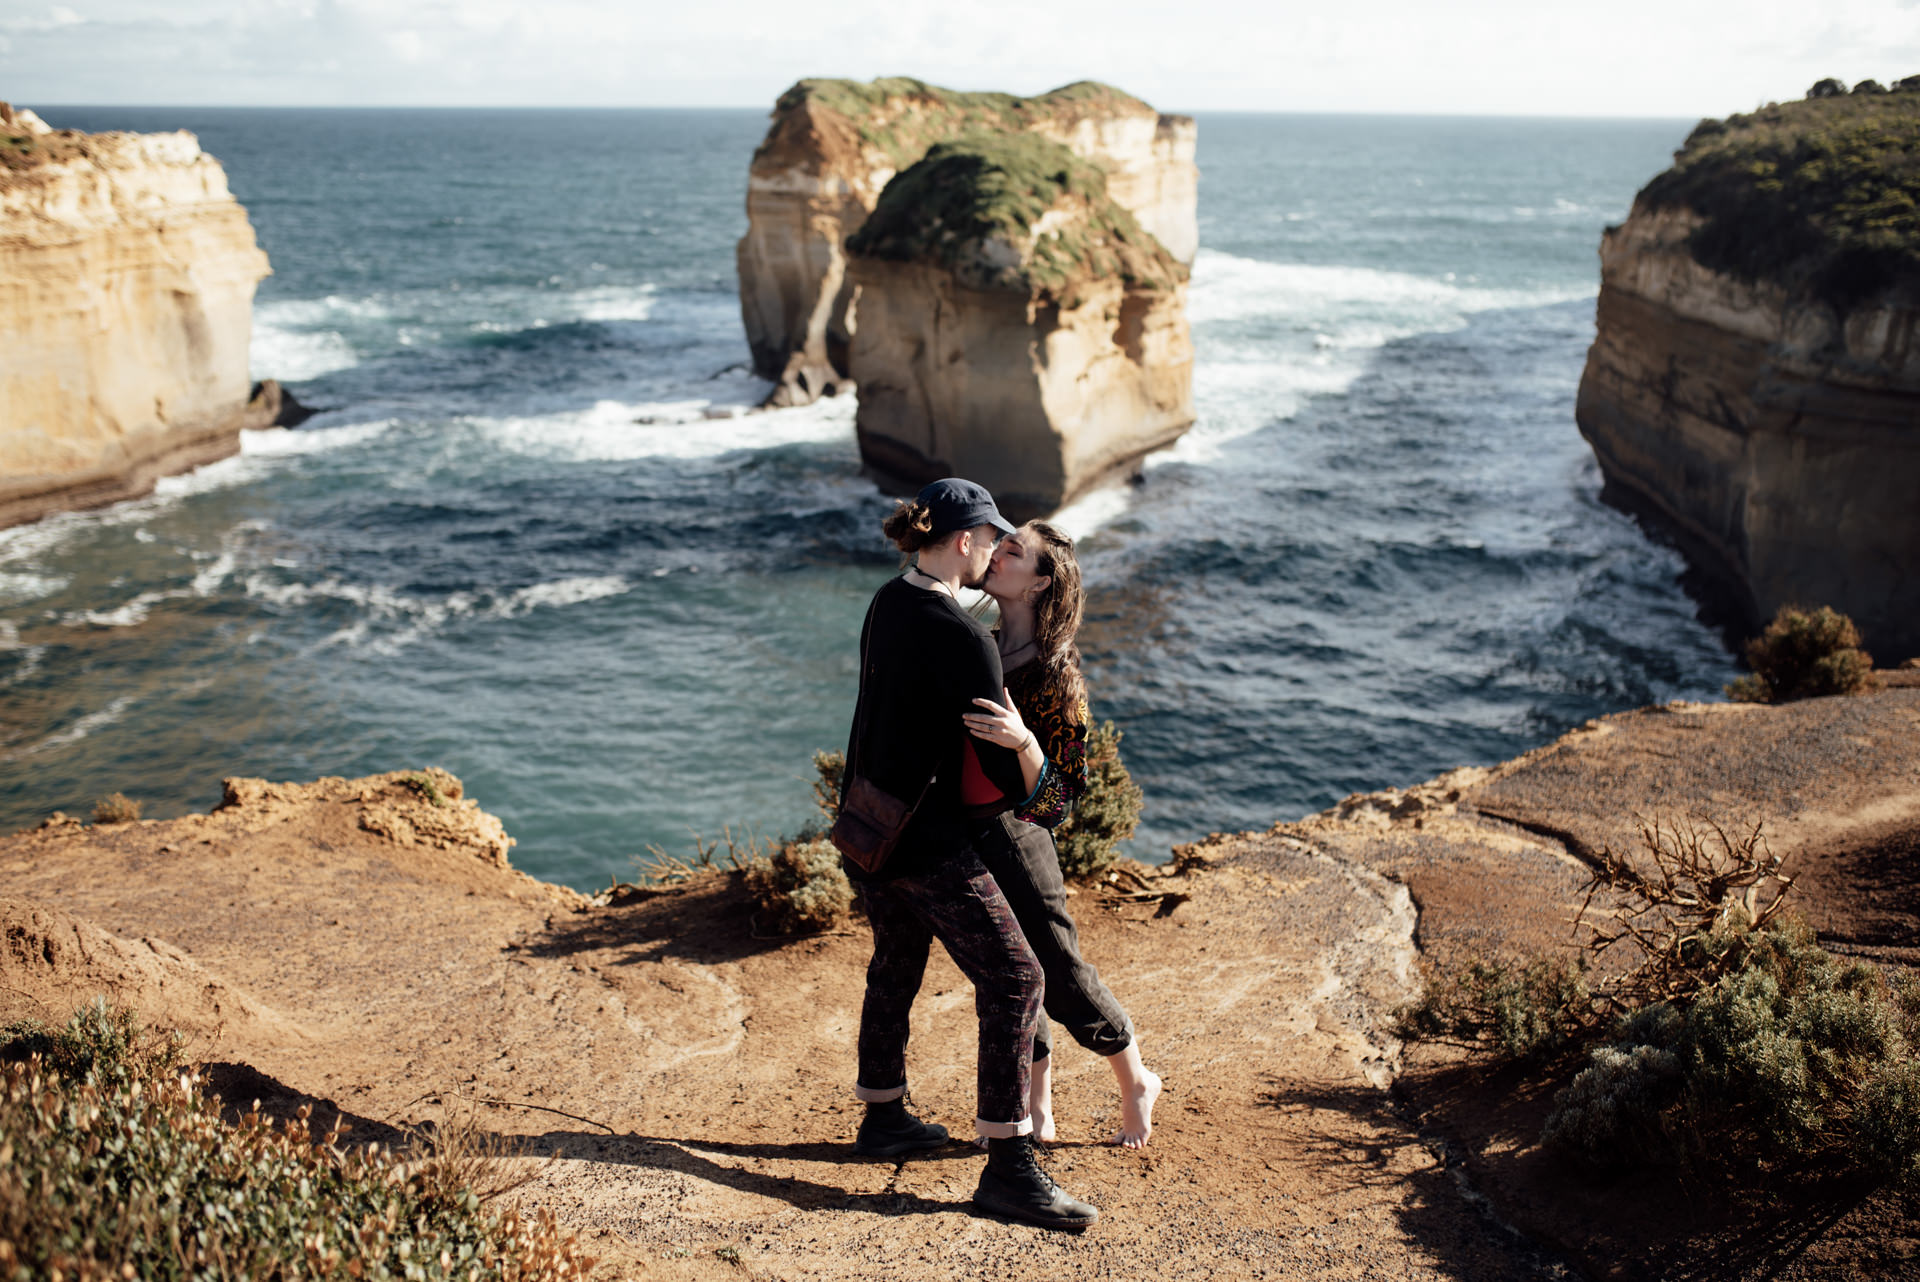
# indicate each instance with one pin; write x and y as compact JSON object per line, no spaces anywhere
{"x":516,"y":545}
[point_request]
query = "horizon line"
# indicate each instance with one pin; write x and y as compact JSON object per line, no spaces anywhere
{"x":768,"y":108}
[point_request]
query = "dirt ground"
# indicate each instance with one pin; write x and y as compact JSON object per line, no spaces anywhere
{"x":352,"y":944}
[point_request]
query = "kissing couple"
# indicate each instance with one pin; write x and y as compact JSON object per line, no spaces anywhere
{"x":968,"y":746}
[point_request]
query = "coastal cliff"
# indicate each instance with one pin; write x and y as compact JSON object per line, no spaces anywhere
{"x":127,"y":273}
{"x":1754,"y":385}
{"x":834,"y":145}
{"x":1020,"y":327}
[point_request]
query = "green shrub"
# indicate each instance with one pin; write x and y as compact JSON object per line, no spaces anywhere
{"x":1517,"y":1008}
{"x":1803,"y":654}
{"x":113,"y":1164}
{"x":801,"y":887}
{"x":116,"y":808}
{"x":970,"y":189}
{"x":1792,"y":1055}
{"x":1105,"y":815}
{"x":1820,"y":196}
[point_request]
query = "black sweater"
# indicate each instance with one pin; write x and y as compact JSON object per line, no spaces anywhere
{"x":926,"y":661}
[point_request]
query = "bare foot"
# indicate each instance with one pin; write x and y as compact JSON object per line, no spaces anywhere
{"x":1136,"y":1113}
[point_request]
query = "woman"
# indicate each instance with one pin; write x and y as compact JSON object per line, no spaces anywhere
{"x":1035,"y":580}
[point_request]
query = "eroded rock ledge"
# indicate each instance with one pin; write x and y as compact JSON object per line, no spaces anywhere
{"x":1754,"y":386}
{"x":834,"y":145}
{"x":127,"y":273}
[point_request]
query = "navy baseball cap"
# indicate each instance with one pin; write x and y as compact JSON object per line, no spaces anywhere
{"x":961,"y":505}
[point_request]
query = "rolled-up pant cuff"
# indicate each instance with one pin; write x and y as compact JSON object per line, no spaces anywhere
{"x":1003,"y":1130}
{"x":872,"y":1095}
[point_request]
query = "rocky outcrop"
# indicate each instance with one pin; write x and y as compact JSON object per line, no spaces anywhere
{"x":127,"y":273}
{"x":1019,"y":327}
{"x":1754,"y":389}
{"x":834,"y":145}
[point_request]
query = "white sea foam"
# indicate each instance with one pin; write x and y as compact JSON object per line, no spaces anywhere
{"x":79,"y":730}
{"x":390,"y":621}
{"x":19,"y":588}
{"x":558,"y":594}
{"x":612,"y":431}
{"x":283,"y":442}
{"x":298,"y":339}
{"x":1091,"y":511}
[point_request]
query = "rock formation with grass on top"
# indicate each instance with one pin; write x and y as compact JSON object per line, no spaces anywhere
{"x":834,"y":145}
{"x":1019,"y":326}
{"x":127,"y":273}
{"x":1754,"y":387}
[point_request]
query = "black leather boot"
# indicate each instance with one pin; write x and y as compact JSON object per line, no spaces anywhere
{"x":1013,"y":1185}
{"x":888,"y":1130}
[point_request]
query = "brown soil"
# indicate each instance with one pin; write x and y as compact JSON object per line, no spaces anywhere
{"x":354,"y":945}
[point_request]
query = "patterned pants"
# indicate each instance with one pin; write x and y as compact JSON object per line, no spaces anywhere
{"x":958,"y":904}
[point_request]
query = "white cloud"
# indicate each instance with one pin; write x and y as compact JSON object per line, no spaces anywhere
{"x":56,"y":18}
{"x":1580,"y":57}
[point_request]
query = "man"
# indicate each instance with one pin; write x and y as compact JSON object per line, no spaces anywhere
{"x":924,"y":662}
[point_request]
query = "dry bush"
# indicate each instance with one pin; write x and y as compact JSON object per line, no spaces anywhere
{"x":830,"y":769}
{"x":801,"y":887}
{"x":1789,"y":1058}
{"x":1723,"y":1037}
{"x":1803,"y":654}
{"x":459,"y":1156}
{"x":116,"y":808}
{"x":1690,"y":877}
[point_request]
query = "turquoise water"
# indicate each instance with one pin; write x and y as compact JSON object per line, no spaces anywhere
{"x":516,"y":547}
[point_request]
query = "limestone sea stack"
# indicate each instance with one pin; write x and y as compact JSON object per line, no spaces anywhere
{"x":127,"y":272}
{"x":1017,"y":325}
{"x":1754,"y":386}
{"x":834,"y":145}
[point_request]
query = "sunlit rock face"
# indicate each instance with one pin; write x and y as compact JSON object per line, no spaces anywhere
{"x":1017,"y":326}
{"x":835,"y":144}
{"x":1754,"y":385}
{"x":127,"y":273}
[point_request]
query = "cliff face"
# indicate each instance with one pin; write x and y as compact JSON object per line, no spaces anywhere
{"x":127,"y":273}
{"x":1766,"y":413}
{"x":1018,"y":327}
{"x":834,"y":145}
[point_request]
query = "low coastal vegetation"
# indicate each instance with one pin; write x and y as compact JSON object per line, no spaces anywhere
{"x":901,"y":116}
{"x":984,"y":187}
{"x":798,"y":884}
{"x":116,"y":808}
{"x":800,"y":887}
{"x":1820,"y":195}
{"x":1728,"y":1043}
{"x":1803,"y":654}
{"x":114,"y":1164}
{"x":1106,"y":814}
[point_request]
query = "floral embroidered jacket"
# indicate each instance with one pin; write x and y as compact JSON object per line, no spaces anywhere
{"x":1062,"y":732}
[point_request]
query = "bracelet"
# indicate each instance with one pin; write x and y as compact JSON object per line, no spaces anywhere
{"x":1028,"y":744}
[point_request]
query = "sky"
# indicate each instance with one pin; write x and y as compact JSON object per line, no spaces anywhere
{"x":1666,"y":58}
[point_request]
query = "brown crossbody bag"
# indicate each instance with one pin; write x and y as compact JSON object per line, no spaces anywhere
{"x":871,"y":819}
